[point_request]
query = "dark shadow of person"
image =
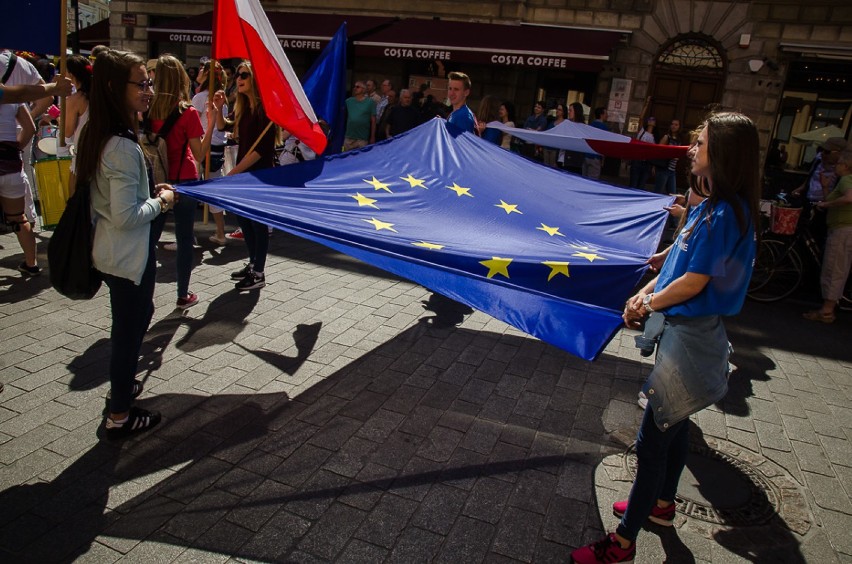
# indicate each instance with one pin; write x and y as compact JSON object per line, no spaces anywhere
{"x":448,"y":312}
{"x":751,"y":365}
{"x":769,"y":539}
{"x":77,"y":506}
{"x":17,"y":287}
{"x":224,"y":319}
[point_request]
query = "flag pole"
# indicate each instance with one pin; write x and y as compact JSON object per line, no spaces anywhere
{"x":210,"y":72}
{"x":259,"y":137}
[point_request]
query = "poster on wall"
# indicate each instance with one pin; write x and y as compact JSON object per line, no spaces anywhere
{"x":619,"y":95}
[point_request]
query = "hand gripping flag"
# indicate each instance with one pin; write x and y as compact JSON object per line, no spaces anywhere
{"x":550,"y":253}
{"x":241,"y":29}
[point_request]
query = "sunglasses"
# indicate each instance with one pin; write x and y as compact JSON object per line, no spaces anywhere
{"x":142,"y":85}
{"x":244,"y":75}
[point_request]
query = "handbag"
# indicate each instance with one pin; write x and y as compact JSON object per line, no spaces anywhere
{"x":69,"y":252}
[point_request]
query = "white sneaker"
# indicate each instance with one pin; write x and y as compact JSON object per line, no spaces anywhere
{"x":642,"y":401}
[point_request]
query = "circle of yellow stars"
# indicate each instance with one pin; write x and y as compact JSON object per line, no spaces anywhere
{"x":496,"y":266}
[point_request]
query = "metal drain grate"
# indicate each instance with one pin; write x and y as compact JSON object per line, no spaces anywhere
{"x":759,"y":504}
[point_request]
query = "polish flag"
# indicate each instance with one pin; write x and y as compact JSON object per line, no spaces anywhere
{"x":241,"y":29}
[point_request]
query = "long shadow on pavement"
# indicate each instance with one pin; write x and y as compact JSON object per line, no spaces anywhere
{"x":441,"y":444}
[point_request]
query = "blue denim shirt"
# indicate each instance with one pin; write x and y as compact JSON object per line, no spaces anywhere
{"x":691,"y":371}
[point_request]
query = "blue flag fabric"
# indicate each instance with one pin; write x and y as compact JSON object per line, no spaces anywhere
{"x":31,"y":25}
{"x":325,"y":87}
{"x":550,"y":253}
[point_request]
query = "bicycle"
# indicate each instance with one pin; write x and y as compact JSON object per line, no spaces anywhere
{"x":779,"y":268}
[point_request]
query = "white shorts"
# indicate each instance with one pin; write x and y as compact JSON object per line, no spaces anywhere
{"x":14,"y":185}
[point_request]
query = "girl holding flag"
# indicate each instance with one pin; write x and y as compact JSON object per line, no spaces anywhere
{"x":255,"y":135}
{"x":704,"y":277}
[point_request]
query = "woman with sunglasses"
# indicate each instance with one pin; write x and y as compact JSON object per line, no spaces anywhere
{"x":256,"y":151}
{"x":186,"y":145}
{"x":125,"y":202}
{"x":704,"y":277}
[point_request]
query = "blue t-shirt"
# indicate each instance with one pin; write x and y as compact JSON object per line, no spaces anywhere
{"x":463,"y":118}
{"x":493,"y":135}
{"x":715,"y":248}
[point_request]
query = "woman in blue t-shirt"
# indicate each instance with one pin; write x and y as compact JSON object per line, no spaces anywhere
{"x":704,"y":277}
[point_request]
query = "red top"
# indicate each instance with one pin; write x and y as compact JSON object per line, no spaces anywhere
{"x":188,"y":126}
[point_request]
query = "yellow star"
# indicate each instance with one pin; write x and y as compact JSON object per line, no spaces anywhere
{"x":415,"y":182}
{"x":497,"y":265}
{"x":589,"y":256}
{"x":460,"y":191}
{"x":364,"y":200}
{"x":379,"y":225}
{"x":508,"y":207}
{"x":425,"y":245}
{"x":378,"y":185}
{"x":556,"y":268}
{"x":550,"y":230}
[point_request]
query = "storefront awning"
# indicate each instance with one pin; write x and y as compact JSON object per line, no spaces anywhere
{"x":833,"y":51}
{"x":297,"y":31}
{"x":524,"y":46}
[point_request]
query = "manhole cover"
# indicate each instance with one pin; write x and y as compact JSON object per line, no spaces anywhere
{"x":719,"y":488}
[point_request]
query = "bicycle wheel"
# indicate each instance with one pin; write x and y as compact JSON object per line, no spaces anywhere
{"x":777,"y":272}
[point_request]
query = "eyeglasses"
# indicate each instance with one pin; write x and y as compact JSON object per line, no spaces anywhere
{"x":142,"y":85}
{"x":244,"y":75}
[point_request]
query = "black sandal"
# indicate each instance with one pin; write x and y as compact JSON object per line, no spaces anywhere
{"x":138,"y":421}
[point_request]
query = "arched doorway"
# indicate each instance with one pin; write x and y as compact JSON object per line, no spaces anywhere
{"x":688,"y":79}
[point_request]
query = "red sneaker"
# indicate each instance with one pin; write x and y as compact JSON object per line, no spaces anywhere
{"x":187,"y":302}
{"x":236,"y":235}
{"x":660,"y":516}
{"x":606,"y":551}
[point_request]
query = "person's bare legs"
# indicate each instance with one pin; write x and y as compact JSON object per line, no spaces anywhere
{"x":13,"y":209}
{"x":219,"y":220}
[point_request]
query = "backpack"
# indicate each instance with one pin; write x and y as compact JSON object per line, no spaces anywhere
{"x":69,"y":251}
{"x":154,"y":146}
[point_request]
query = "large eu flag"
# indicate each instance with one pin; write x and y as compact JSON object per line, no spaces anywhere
{"x":552,"y":254}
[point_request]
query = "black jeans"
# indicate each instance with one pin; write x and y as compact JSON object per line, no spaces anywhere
{"x":132,"y":308}
{"x":256,"y":236}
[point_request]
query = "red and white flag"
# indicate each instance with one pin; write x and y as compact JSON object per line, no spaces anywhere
{"x":241,"y":29}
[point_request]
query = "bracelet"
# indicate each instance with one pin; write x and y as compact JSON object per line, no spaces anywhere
{"x":164,"y":205}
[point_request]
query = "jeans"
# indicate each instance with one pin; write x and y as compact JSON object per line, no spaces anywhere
{"x":256,"y":236}
{"x":639,"y":171}
{"x":132,"y":308}
{"x":185,"y":238}
{"x":666,"y":181}
{"x":661,"y":458}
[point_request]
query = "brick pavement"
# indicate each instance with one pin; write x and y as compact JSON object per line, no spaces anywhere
{"x":327,"y":419}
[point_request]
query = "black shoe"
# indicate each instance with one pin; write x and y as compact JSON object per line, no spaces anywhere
{"x":252,"y":281}
{"x":29,"y":270}
{"x":243,"y":272}
{"x":134,"y":393}
{"x":138,"y":421}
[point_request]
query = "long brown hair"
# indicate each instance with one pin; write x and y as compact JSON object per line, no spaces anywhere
{"x":108,"y":109}
{"x":733,"y":149}
{"x":171,"y":88}
{"x":488,"y":109}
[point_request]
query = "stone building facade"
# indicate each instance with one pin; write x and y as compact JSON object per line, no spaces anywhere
{"x":785,"y":63}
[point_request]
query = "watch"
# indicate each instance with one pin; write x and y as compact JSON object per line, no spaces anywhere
{"x":646,"y":302}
